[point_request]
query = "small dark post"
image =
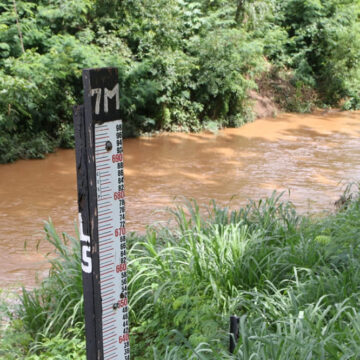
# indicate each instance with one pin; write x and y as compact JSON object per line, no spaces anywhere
{"x":234,"y":332}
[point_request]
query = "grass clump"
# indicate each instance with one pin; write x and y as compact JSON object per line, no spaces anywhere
{"x":293,"y":280}
{"x":47,"y":322}
{"x":297,"y":296}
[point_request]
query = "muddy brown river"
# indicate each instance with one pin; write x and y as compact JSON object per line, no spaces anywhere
{"x":313,"y":156}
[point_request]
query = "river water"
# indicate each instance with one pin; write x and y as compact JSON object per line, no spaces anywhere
{"x":313,"y":156}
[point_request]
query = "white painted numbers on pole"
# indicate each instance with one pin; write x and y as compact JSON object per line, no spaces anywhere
{"x":108,"y":94}
{"x":86,"y":262}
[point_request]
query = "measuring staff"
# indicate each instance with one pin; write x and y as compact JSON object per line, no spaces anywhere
{"x":101,"y":200}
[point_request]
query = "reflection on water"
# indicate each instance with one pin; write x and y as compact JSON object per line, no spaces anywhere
{"x":309,"y":154}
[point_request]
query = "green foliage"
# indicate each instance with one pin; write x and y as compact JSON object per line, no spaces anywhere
{"x":183,"y":63}
{"x":70,"y":345}
{"x":296,"y":293}
{"x":324,"y":45}
{"x":228,"y":62}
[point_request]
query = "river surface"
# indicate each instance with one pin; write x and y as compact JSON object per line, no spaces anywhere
{"x":313,"y":156}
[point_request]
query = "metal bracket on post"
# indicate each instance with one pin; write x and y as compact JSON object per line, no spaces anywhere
{"x":101,"y":201}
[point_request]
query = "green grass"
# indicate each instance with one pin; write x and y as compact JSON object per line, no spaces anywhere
{"x":47,"y":318}
{"x":293,"y":280}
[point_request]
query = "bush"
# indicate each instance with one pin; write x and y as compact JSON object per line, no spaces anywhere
{"x":324,"y":46}
{"x":228,"y":61}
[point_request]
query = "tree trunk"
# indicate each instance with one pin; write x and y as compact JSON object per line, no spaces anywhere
{"x":240,"y":11}
{"x":19,"y":28}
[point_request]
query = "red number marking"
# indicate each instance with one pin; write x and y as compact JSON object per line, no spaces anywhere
{"x":123,"y":338}
{"x":119,"y":195}
{"x":122,"y":303}
{"x":117,"y":158}
{"x":120,"y":231}
{"x":120,"y":268}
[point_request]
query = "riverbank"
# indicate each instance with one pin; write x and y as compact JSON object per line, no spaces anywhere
{"x":188,"y":68}
{"x":292,"y":279}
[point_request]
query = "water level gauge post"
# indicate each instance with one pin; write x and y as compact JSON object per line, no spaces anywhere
{"x":101,"y":199}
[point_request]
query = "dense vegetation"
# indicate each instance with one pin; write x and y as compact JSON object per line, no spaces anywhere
{"x":293,"y":280}
{"x":182,"y":63}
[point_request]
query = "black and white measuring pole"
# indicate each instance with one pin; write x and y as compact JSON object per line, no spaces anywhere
{"x":101,"y":199}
